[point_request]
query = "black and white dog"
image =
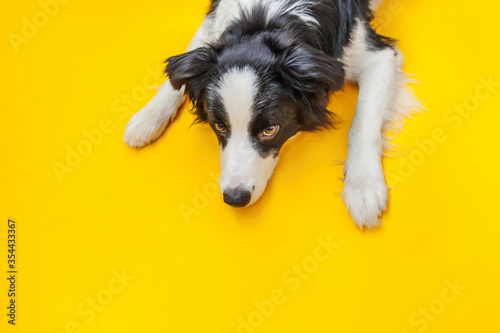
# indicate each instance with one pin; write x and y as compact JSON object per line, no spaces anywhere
{"x":260,"y":71}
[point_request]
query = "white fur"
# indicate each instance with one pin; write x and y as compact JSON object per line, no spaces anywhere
{"x":403,"y":103}
{"x":375,"y":3}
{"x":383,"y":102}
{"x":238,"y":89}
{"x":301,"y":9}
{"x":229,"y":10}
{"x":148,"y":124}
{"x":241,"y":165}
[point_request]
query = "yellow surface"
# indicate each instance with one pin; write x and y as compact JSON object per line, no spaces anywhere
{"x":118,"y":210}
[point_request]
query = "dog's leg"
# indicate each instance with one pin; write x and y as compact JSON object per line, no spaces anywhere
{"x":148,"y":124}
{"x":365,"y":191}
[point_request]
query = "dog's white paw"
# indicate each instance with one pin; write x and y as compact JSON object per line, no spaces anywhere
{"x":143,"y":128}
{"x":365,"y":197}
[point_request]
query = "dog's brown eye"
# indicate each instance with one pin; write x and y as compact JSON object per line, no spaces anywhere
{"x":220,"y":127}
{"x":270,"y":131}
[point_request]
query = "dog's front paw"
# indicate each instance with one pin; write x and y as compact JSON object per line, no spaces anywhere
{"x":143,"y":128}
{"x":366,"y":198}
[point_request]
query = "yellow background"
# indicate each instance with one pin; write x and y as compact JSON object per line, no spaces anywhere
{"x":121,"y":209}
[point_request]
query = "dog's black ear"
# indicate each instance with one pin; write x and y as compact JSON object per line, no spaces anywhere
{"x":184,"y":68}
{"x":309,"y":70}
{"x":312,"y":75}
{"x":192,"y":70}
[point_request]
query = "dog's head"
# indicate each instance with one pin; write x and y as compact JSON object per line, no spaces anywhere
{"x":256,"y":94}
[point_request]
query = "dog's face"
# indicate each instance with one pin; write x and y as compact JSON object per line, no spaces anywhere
{"x":252,"y":119}
{"x":255,"y":95}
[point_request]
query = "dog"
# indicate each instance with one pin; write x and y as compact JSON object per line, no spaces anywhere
{"x":261,"y":71}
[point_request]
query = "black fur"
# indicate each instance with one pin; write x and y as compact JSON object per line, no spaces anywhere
{"x":192,"y":70}
{"x":297,"y":65}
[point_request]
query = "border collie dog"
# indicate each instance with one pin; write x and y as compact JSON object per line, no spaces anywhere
{"x":260,"y":71}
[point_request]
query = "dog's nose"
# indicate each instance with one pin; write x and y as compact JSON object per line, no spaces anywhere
{"x":237,"y":197}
